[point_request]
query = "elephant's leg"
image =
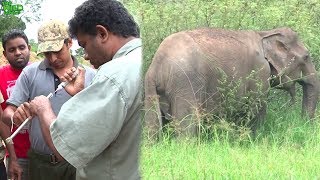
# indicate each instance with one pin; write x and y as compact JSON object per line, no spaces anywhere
{"x":165,"y":116}
{"x":152,"y":117}
{"x":292,"y":92}
{"x":259,"y":118}
{"x":261,"y":88}
{"x":154,"y":102}
{"x":185,"y":112}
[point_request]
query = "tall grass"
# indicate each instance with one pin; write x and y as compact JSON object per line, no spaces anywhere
{"x":171,"y":160}
{"x":286,"y":147}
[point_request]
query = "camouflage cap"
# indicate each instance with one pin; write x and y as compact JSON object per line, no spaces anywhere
{"x":51,"y":36}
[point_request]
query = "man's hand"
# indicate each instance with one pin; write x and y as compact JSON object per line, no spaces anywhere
{"x":15,"y":171}
{"x":22,"y":113}
{"x":75,"y":82}
{"x":39,"y":105}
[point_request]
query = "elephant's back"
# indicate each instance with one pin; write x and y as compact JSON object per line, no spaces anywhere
{"x":203,"y":55}
{"x":177,"y":54}
{"x":225,"y":45}
{"x":202,"y":50}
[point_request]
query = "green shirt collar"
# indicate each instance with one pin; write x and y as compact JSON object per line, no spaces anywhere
{"x":128,"y":47}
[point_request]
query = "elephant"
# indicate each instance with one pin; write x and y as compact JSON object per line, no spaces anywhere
{"x":289,"y":87}
{"x":184,"y":77}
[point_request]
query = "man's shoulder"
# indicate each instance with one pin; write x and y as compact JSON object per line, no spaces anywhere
{"x":125,"y":64}
{"x":4,"y":68}
{"x":124,"y":69}
{"x":131,"y":61}
{"x":32,"y":67}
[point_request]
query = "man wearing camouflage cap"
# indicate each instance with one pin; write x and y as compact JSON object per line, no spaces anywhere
{"x":51,"y":36}
{"x":42,"y":78}
{"x":104,"y":141}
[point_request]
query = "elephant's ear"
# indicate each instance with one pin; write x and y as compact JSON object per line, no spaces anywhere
{"x":274,"y":48}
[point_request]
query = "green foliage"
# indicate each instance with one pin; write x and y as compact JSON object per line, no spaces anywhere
{"x":244,"y":107}
{"x":10,"y":22}
{"x":161,"y":18}
{"x":236,"y":115}
{"x":79,"y":53}
{"x":34,"y":45}
{"x":30,"y":13}
{"x":31,"y":9}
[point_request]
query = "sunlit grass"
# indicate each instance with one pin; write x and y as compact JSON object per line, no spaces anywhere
{"x":212,"y":161}
{"x":286,"y":147}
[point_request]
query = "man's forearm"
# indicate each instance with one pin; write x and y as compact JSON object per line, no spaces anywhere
{"x":7,"y":113}
{"x":5,"y":133}
{"x":11,"y":152}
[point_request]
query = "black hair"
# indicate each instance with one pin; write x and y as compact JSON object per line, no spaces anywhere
{"x":66,"y":41}
{"x":109,"y":13}
{"x":12,"y":34}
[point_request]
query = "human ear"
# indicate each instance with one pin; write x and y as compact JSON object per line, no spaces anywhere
{"x":69,"y":42}
{"x":102,"y":33}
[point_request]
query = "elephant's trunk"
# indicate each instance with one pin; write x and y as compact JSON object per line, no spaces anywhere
{"x":310,"y":96}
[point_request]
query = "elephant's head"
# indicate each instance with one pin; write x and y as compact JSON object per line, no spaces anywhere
{"x":290,"y":63}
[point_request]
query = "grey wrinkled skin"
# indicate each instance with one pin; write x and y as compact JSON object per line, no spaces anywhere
{"x":185,"y":72}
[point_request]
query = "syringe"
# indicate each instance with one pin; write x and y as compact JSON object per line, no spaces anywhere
{"x":9,"y":139}
{"x":60,"y":86}
{"x":64,"y":84}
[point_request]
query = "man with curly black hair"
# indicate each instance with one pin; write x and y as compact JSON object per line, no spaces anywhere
{"x":104,"y":118}
{"x":43,"y":78}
